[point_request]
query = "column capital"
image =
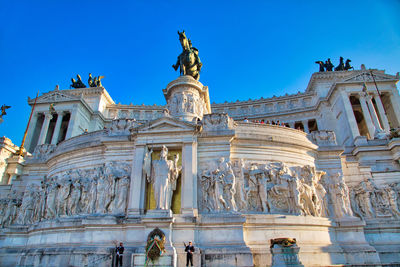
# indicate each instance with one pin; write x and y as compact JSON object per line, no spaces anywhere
{"x":362,"y":94}
{"x":48,"y":115}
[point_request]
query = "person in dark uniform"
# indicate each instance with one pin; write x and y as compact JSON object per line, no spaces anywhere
{"x":119,"y":253}
{"x":189,"y":249}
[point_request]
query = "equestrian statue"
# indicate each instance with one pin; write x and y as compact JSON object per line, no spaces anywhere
{"x":189,"y":60}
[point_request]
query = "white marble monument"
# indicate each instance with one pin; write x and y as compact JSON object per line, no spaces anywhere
{"x":321,"y":166}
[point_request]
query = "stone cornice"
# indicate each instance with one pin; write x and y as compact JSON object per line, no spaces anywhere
{"x":262,"y":100}
{"x":91,"y":91}
{"x":136,"y":107}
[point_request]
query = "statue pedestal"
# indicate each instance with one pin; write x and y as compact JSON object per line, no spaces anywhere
{"x":163,"y":220}
{"x":187,"y":99}
{"x":159,"y":214}
{"x":285,"y":256}
{"x":139,"y":260}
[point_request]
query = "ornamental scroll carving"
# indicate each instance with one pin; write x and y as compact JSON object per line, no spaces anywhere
{"x":42,"y":152}
{"x":101,"y":190}
{"x":324,"y":138}
{"x":217,"y":121}
{"x":121,"y":127}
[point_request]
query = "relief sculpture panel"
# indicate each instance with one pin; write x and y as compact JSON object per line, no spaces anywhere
{"x":101,"y":190}
{"x":273,"y":187}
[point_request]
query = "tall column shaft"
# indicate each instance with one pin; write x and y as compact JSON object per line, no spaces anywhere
{"x":367,"y":116}
{"x":382,"y":113}
{"x":305,"y":125}
{"x":45,"y":129}
{"x":57,"y":129}
{"x":138,"y":184}
{"x":31,"y":130}
{"x":189,"y":179}
{"x":350,"y":115}
{"x":72,"y":121}
{"x":374,"y":116}
{"x":395,"y":103}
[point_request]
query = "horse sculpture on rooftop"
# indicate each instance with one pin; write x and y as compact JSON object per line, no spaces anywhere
{"x":189,"y":60}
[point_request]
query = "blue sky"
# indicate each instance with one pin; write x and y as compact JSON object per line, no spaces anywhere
{"x":249,"y":49}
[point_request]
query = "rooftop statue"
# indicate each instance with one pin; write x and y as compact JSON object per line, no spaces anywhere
{"x":3,"y":110}
{"x":321,"y":66}
{"x":328,"y":65}
{"x":96,"y":81}
{"x":340,"y":67}
{"x":78,"y":82}
{"x":188,"y":61}
{"x":347,"y":65}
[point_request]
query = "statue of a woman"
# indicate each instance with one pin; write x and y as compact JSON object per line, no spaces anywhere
{"x":163,"y":175}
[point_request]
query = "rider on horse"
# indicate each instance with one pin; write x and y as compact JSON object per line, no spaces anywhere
{"x":189,"y":60}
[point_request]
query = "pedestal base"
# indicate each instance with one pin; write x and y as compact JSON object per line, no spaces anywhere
{"x":286,"y":256}
{"x":139,"y":260}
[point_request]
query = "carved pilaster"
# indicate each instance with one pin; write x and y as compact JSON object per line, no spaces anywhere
{"x":382,"y":113}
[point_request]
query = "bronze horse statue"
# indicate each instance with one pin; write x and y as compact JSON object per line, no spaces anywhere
{"x":189,"y":60}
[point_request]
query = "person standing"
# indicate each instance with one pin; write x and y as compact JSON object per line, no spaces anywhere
{"x":119,"y":253}
{"x":189,"y":249}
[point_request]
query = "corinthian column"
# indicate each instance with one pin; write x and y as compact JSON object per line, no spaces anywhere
{"x":45,"y":129}
{"x":57,"y":128}
{"x":373,"y":113}
{"x":350,"y":115}
{"x":305,"y":125}
{"x":366,"y":114}
{"x":382,"y":113}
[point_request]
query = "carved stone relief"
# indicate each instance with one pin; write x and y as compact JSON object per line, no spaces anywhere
{"x":371,"y":201}
{"x":267,"y":188}
{"x":101,"y":190}
{"x":186,"y":102}
{"x":217,"y":121}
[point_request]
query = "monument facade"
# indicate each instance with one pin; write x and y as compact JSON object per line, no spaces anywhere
{"x":316,"y":174}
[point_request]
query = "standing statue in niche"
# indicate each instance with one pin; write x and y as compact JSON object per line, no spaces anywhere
{"x":163,"y":176}
{"x":188,"y":61}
